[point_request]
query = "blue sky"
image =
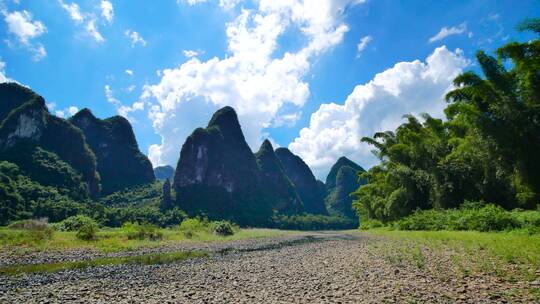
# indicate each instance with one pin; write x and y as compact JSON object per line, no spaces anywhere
{"x":311,"y":75}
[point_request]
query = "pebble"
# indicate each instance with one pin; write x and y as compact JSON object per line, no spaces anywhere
{"x":308,"y":268}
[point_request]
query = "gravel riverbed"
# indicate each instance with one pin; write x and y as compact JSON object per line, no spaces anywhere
{"x":306,"y":268}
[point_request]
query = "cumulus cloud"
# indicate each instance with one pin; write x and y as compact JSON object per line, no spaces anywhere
{"x":449,"y":31}
{"x":362,"y":45}
{"x":93,"y":31}
{"x":135,"y":38}
{"x":408,"y":87}
{"x":73,"y":10}
{"x":107,"y":10}
{"x":21,"y":25}
{"x":265,"y":91}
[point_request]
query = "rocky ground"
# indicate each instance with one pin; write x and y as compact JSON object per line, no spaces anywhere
{"x":309,"y":268}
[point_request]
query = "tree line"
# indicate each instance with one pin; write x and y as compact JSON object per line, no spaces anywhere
{"x":487,"y":149}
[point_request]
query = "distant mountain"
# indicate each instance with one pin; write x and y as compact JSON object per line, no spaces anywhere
{"x":278,"y":188}
{"x":163,"y":172}
{"x":340,"y":183}
{"x":300,"y":174}
{"x":119,"y":161}
{"x":47,"y":148}
{"x":217,"y":173}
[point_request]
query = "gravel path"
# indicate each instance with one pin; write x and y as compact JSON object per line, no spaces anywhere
{"x":309,"y":268}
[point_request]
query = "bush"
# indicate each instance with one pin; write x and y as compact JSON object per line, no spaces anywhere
{"x":88,"y":231}
{"x":471,"y":217}
{"x":223,"y":228}
{"x":73,"y":223}
{"x":38,"y":230}
{"x":370,"y":224}
{"x":191,"y":226}
{"x":313,"y":222}
{"x":144,"y":231}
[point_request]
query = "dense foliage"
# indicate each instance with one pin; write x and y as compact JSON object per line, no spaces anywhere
{"x":312,"y":222}
{"x":487,"y":218}
{"x":488,"y":148}
{"x":23,"y":198}
{"x":341,"y":181}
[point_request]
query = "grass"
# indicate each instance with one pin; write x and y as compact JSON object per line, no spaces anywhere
{"x":116,"y":239}
{"x":512,"y":255}
{"x":149,"y":259}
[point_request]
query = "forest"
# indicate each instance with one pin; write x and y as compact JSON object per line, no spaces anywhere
{"x":485,"y":153}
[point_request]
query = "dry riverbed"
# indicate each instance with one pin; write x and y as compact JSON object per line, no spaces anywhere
{"x":305,"y":268}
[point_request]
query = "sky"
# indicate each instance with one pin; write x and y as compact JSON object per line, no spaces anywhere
{"x":311,"y":75}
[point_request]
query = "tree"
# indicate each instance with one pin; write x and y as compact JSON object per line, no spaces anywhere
{"x":488,"y":148}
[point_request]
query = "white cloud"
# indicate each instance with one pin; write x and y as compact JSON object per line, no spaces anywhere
{"x":110,"y":97}
{"x":39,"y":52}
{"x":135,"y":38}
{"x":107,"y":10}
{"x":3,"y":77}
{"x":72,"y":110}
{"x":408,"y":87}
{"x":21,"y":25}
{"x":122,"y":109}
{"x":73,"y":10}
{"x":449,"y":31}
{"x":265,"y":91}
{"x":129,"y":72}
{"x":93,"y":31}
{"x":190,"y":53}
{"x":226,"y":4}
{"x":362,"y":45}
{"x":63,"y":113}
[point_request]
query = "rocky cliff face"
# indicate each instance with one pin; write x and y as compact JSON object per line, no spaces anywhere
{"x":303,"y":179}
{"x":119,"y":161}
{"x":164,"y":172}
{"x":27,"y":124}
{"x":340,"y":183}
{"x":278,"y":188}
{"x":13,"y":96}
{"x":217,"y":173}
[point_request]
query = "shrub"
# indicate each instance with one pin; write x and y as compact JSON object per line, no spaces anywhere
{"x":313,"y":222}
{"x":370,"y":224}
{"x":73,"y":223}
{"x":191,"y":226}
{"x":471,"y":217}
{"x":142,"y":231}
{"x":39,"y":229}
{"x":88,"y":231}
{"x":223,"y":228}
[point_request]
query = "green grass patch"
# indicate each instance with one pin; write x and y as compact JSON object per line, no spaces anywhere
{"x":149,"y":259}
{"x":513,"y":255}
{"x":118,"y":239}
